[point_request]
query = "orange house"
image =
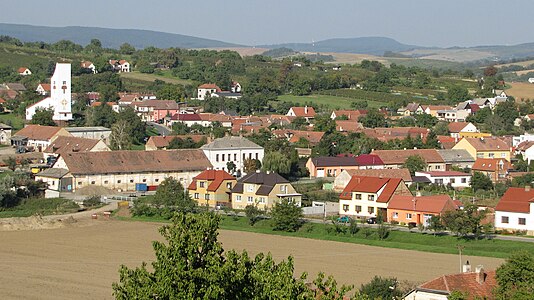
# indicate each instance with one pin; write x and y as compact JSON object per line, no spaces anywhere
{"x":418,"y":210}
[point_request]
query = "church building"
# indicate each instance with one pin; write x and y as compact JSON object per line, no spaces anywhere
{"x":60,"y":99}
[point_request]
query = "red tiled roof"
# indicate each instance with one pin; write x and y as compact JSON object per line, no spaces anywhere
{"x":437,"y":107}
{"x":2,"y":100}
{"x":186,"y":117}
{"x":163,"y":141}
{"x":45,"y":86}
{"x":456,"y":127}
{"x":516,"y":200}
{"x":22,"y":69}
{"x":490,"y":164}
{"x":65,"y":144}
{"x":398,"y":157}
{"x":352,"y":115}
{"x":429,"y":204}
{"x":523,"y":146}
{"x":464,"y":282}
{"x":403,"y":174}
{"x":215,"y":176}
{"x":97,"y":103}
{"x":210,"y":86}
{"x":301,"y":111}
{"x":369,"y":160}
{"x":86,"y":64}
{"x":488,"y":144}
{"x":38,"y":132}
{"x":371,"y":185}
{"x":158,"y":104}
{"x":348,"y":125}
{"x":447,"y":142}
{"x":122,"y":61}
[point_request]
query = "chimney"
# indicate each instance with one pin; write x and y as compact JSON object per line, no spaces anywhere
{"x":527,"y":188}
{"x":306,"y":109}
{"x":481,"y":276}
{"x":467,"y":267}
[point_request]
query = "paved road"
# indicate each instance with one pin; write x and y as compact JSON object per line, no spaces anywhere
{"x":162,"y":129}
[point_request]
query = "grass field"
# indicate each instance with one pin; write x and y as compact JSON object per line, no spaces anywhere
{"x":16,"y":60}
{"x":331,"y":102}
{"x":12,"y":120}
{"x":519,"y":63}
{"x":151,"y":77}
{"x":43,"y":206}
{"x":521,"y":90}
{"x":425,"y":242}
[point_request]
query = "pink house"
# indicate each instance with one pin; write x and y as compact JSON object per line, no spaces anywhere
{"x":155,"y":110}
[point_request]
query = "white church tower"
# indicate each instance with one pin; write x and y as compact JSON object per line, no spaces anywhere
{"x":60,"y":99}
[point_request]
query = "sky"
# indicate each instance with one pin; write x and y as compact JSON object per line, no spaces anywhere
{"x":442,"y":23}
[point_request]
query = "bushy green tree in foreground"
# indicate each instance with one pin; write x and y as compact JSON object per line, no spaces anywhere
{"x":192,"y":264}
{"x":515,"y":278}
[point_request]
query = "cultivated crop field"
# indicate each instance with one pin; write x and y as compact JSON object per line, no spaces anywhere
{"x":81,"y":262}
{"x":521,"y":91}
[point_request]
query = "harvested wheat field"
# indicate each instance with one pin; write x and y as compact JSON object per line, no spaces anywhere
{"x":81,"y":262}
{"x":521,"y":91}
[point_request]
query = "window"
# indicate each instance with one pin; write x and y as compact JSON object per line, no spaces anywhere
{"x":480,"y":155}
{"x":244,"y":156}
{"x":262,"y":199}
{"x":229,"y":185}
{"x":358,"y":209}
{"x":201,"y":184}
{"x":216,"y":157}
{"x":371,"y":197}
{"x":235,"y":157}
{"x":505,"y":220}
{"x":283,"y":188}
{"x":119,"y":181}
{"x":105,"y":182}
{"x":144,"y":180}
{"x":79,"y":183}
{"x":409,"y":216}
{"x":491,"y":155}
{"x":464,"y":180}
{"x":345,"y":207}
{"x":503,"y":155}
{"x":196,"y":196}
{"x":92,"y":182}
{"x":238,"y":198}
{"x":207,"y":197}
{"x":453,"y":180}
{"x":438,"y":167}
{"x":250,"y":188}
{"x":249,"y":199}
{"x":438,"y":181}
{"x":522,"y":221}
{"x":156,"y":180}
{"x":358,"y":196}
{"x":395,"y":215}
{"x":222,"y":157}
{"x":371,"y":210}
{"x":131,"y":180}
{"x":256,"y":155}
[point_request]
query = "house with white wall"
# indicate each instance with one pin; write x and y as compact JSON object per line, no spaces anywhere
{"x":453,"y":178}
{"x":515,"y":210}
{"x":234,"y":149}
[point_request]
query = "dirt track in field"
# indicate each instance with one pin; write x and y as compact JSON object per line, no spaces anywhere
{"x":82,"y":262}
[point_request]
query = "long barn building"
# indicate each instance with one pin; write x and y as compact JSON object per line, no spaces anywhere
{"x":122,"y":170}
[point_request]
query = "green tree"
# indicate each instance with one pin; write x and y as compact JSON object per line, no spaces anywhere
{"x":286,"y":216}
{"x":435,"y":224}
{"x":425,"y":120}
{"x":479,"y":181}
{"x":11,"y":163}
{"x":276,"y":162}
{"x":457,"y":94}
{"x":515,"y":278}
{"x":251,"y":165}
{"x":253,"y":213}
{"x":136,"y":128}
{"x":324,"y":123}
{"x":466,"y":221}
{"x":43,"y":117}
{"x":457,"y":295}
{"x":373,"y":119}
{"x":231,"y":167}
{"x":120,"y":138}
{"x":414,"y":164}
{"x":127,"y":49}
{"x":382,"y":288}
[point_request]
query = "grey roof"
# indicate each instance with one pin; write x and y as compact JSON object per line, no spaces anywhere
{"x":334,"y":161}
{"x":480,"y":101}
{"x":231,"y":142}
{"x":53,"y":173}
{"x":456,"y":155}
{"x":5,"y":126}
{"x":86,"y":129}
{"x":267,"y":181}
{"x":19,"y":87}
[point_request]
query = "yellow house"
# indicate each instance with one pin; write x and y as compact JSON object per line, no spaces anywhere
{"x":263,"y":189}
{"x":366,"y":197}
{"x":476,"y":135}
{"x":491,"y":147}
{"x":212,"y":188}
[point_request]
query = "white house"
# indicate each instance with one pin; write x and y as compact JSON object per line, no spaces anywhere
{"x":515,"y":210}
{"x":455,"y":179}
{"x":120,"y":65}
{"x":516,"y":140}
{"x":23,"y":71}
{"x":456,"y":128}
{"x":531,"y":80}
{"x":60,"y":100}
{"x":5,"y":134}
{"x":43,"y":89}
{"x":206,"y":90}
{"x":88,"y":65}
{"x":232,"y":149}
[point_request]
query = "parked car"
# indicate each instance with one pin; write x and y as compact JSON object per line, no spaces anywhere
{"x":344,"y":219}
{"x":371,"y":220}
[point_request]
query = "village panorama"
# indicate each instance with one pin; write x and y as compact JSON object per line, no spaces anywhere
{"x":146,"y":165}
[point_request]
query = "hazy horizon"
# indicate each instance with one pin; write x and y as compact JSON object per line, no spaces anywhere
{"x":416,"y":22}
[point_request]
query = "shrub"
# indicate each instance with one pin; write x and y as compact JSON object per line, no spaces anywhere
{"x":253,"y":214}
{"x":382,"y":231}
{"x":353,"y":227}
{"x":92,"y":201}
{"x":367,"y":232}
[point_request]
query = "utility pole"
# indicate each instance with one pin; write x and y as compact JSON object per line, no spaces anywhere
{"x":460,"y":248}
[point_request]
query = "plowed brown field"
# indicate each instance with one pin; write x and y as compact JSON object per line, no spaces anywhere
{"x":82,"y":262}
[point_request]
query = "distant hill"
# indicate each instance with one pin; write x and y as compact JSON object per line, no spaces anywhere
{"x":110,"y":38}
{"x":362,"y":45}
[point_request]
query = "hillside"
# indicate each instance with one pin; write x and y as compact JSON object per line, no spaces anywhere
{"x":110,"y":38}
{"x":362,"y":45}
